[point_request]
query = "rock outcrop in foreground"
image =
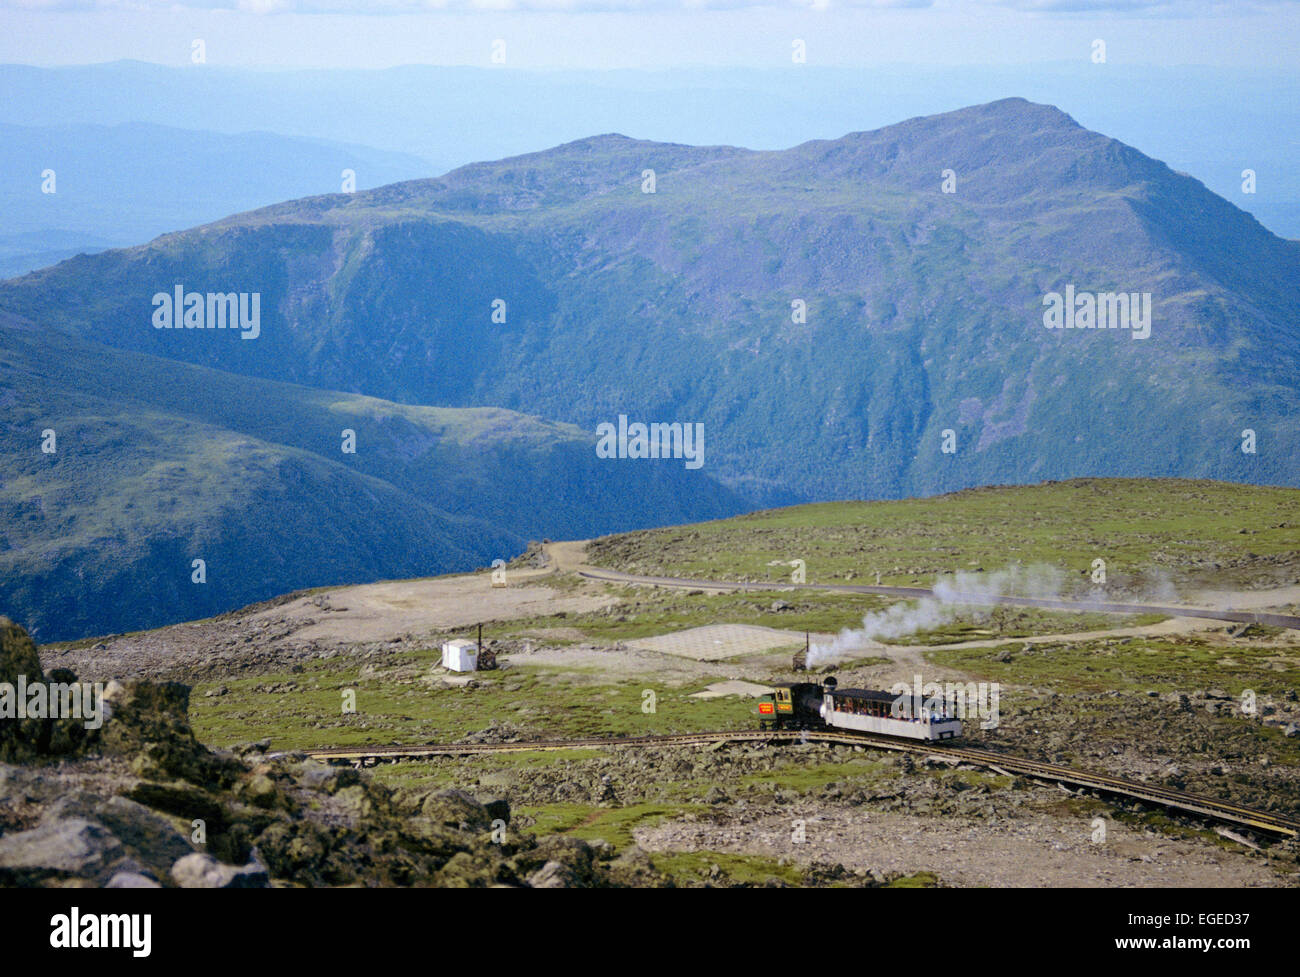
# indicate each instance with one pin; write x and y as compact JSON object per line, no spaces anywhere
{"x":139,"y":802}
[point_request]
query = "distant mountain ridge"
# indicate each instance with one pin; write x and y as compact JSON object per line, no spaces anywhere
{"x":923,"y":307}
{"x":1212,"y":122}
{"x":840,"y":325}
{"x":121,"y":184}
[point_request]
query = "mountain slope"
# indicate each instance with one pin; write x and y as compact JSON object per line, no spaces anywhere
{"x":924,"y":308}
{"x":159,"y":463}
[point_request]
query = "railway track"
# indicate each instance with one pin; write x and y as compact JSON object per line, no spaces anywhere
{"x":1182,"y":801}
{"x":1108,"y":607}
{"x":1195,"y":804}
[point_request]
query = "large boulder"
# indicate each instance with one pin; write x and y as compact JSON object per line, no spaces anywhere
{"x":150,"y":837}
{"x":452,"y":808}
{"x":181,"y":799}
{"x":149,"y":721}
{"x":18,"y":654}
{"x":554,"y":875}
{"x":132,"y":880}
{"x":24,"y":739}
{"x":297,"y":850}
{"x":559,"y":862}
{"x":58,"y":848}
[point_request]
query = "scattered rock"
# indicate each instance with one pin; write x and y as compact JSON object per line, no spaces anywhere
{"x":132,"y":880}
{"x":553,"y":875}
{"x":198,"y":870}
{"x":148,"y":835}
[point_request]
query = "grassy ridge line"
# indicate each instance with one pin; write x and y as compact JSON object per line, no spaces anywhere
{"x":1154,"y":534}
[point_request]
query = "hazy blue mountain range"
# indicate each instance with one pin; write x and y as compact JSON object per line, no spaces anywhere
{"x":1209,"y":122}
{"x":122,"y":184}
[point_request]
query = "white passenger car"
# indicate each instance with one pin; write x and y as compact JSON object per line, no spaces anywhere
{"x":873,"y":711}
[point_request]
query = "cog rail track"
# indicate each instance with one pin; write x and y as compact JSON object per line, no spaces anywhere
{"x":1206,"y":807}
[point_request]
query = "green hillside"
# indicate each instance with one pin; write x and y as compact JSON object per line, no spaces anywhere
{"x":158,"y":463}
{"x":924,"y":308}
{"x":1155,"y":535}
{"x":924,"y":324}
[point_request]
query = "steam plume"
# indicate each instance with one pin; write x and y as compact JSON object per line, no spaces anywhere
{"x":954,"y":594}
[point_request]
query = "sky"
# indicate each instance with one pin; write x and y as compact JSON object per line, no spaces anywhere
{"x":603,"y":34}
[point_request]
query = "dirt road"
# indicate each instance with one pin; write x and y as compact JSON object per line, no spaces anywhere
{"x":1228,"y":605}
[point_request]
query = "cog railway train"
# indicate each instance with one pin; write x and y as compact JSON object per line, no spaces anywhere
{"x":806,"y":705}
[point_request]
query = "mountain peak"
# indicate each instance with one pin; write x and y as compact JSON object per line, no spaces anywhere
{"x":1003,"y":117}
{"x":1018,"y":112}
{"x":1017,"y":107}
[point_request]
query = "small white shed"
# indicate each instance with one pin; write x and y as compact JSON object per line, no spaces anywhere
{"x":460,"y":655}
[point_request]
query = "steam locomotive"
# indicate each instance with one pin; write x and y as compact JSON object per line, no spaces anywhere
{"x":806,"y":705}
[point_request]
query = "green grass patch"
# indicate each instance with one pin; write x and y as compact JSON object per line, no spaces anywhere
{"x":644,"y":612}
{"x":918,"y":880}
{"x":1177,"y":663}
{"x":982,"y":624}
{"x":698,"y":867}
{"x":611,"y":824}
{"x":1149,"y":532}
{"x":395,"y":703}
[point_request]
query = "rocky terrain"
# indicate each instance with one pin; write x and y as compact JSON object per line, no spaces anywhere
{"x":373,"y":620}
{"x":844,"y":813}
{"x":141,"y":803}
{"x":218,"y":790}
